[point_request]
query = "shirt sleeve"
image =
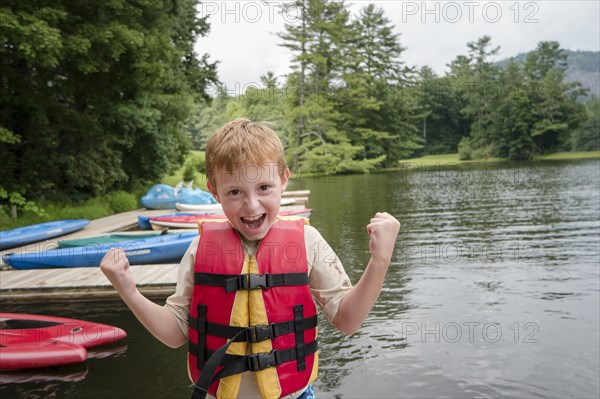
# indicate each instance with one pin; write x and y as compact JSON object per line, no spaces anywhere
{"x":329,"y":282}
{"x":179,"y":302}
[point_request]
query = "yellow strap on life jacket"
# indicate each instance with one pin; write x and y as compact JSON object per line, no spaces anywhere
{"x":267,"y":379}
{"x":230,"y":386}
{"x":249,"y":309}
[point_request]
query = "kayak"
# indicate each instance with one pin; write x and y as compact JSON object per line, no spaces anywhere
{"x":217,"y":208}
{"x":39,"y":232}
{"x":191,"y":221}
{"x":108,"y":239}
{"x":161,"y":249}
{"x":33,"y":341}
{"x":144,"y":221}
{"x":41,"y":354}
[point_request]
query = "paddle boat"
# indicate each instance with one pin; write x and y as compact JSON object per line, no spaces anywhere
{"x":163,"y":196}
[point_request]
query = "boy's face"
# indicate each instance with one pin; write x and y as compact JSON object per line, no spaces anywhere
{"x":250,"y":197}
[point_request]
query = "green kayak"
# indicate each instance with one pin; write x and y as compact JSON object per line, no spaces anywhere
{"x":108,"y":238}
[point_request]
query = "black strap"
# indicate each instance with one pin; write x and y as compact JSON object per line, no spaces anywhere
{"x":299,"y":328}
{"x":256,"y":333}
{"x":235,"y":364}
{"x":206,"y":377}
{"x":200,"y":325}
{"x":235,"y":282}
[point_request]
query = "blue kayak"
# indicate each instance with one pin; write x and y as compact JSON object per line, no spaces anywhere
{"x":161,"y":249}
{"x":39,"y":232}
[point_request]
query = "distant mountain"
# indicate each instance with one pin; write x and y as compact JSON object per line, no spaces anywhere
{"x":582,"y":66}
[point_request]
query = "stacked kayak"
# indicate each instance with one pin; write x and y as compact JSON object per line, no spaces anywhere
{"x":216,"y":208}
{"x":191,"y":221}
{"x":144,"y":221}
{"x":163,"y":196}
{"x":39,"y":232}
{"x":108,"y":239}
{"x":33,"y":341}
{"x":164,"y":248}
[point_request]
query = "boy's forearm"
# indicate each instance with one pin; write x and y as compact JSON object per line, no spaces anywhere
{"x":357,"y":303}
{"x":157,"y":319}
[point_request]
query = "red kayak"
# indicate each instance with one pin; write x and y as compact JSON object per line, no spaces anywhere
{"x":41,"y":354}
{"x":32,"y":341}
{"x":191,"y":221}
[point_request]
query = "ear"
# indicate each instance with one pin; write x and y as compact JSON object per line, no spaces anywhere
{"x":286,"y":179}
{"x":213,"y":191}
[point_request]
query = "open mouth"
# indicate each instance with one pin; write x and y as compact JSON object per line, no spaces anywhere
{"x":254,"y":222}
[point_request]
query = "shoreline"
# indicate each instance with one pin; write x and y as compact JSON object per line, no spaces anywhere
{"x":452,"y":160}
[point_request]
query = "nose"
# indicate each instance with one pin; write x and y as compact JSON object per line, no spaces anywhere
{"x":252,"y":203}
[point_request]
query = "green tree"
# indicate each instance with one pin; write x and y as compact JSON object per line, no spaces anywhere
{"x":512,"y":121}
{"x":316,"y":41}
{"x":443,"y":123}
{"x":95,"y":98}
{"x":260,"y":102}
{"x":553,"y":102}
{"x":482,"y":90}
{"x":377,"y":114}
{"x":587,"y":136}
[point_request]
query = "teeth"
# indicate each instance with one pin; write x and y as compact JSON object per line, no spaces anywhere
{"x":252,"y":218}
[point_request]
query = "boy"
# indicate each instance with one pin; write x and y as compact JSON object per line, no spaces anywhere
{"x":245,"y":287}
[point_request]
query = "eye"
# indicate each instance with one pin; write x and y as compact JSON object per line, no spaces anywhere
{"x":234,"y":192}
{"x":264,"y":187}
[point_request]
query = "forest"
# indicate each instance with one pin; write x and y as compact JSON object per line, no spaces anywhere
{"x":95,"y":99}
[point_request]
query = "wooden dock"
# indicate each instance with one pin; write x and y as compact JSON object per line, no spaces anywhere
{"x":81,"y":283}
{"x":89,"y":283}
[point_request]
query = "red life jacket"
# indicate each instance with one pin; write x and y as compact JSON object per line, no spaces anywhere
{"x":262,"y":300}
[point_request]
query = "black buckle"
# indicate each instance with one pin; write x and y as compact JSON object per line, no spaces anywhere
{"x":256,"y":334}
{"x":253,"y":281}
{"x":261,"y":361}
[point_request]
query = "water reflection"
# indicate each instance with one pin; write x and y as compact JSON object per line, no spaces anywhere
{"x":70,"y":373}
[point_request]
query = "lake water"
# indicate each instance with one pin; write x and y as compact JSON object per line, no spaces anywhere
{"x":493,"y":292}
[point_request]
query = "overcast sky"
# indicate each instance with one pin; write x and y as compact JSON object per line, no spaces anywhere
{"x":243,"y":33}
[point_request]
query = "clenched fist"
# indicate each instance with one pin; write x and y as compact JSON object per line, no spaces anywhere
{"x":383,"y":230}
{"x":115,"y":267}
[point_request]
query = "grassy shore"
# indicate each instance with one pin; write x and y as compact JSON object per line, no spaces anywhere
{"x":452,"y":159}
{"x":562,"y":156}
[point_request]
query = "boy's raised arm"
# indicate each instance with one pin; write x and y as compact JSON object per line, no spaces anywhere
{"x":357,"y":303}
{"x":157,"y":319}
